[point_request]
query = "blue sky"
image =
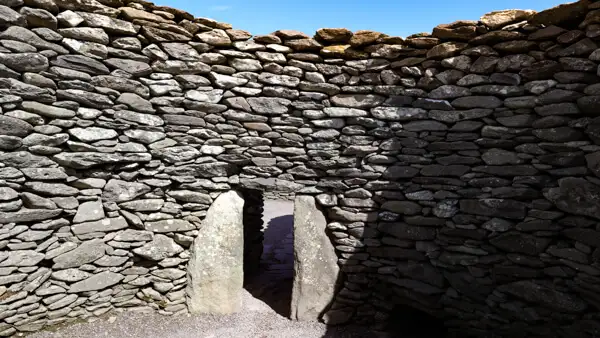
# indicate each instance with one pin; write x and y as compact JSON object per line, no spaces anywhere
{"x":393,"y":17}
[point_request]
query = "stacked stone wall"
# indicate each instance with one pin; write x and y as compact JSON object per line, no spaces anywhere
{"x":459,"y":169}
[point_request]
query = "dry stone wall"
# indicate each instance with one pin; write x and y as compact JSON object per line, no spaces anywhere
{"x":459,"y":170}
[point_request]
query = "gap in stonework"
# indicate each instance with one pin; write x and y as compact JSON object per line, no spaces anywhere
{"x":271,"y":282}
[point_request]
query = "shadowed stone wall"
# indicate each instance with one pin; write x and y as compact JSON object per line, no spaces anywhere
{"x":458,"y":169}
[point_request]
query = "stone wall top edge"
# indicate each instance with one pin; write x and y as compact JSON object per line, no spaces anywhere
{"x":329,"y":42}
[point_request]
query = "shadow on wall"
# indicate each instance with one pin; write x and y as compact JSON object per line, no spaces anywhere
{"x":405,"y":318}
{"x":272,"y":280}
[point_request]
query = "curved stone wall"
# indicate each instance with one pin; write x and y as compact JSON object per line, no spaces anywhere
{"x":459,"y":169}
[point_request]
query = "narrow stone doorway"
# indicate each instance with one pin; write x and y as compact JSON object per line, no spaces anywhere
{"x":272,"y":280}
{"x":278,"y":251}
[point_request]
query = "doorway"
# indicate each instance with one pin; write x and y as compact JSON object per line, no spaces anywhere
{"x":271,"y":281}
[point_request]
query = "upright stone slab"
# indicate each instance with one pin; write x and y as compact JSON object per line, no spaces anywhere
{"x":315,"y":262}
{"x":216,"y":267}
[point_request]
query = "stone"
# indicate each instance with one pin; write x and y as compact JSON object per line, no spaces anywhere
{"x":559,"y":14}
{"x":25,"y":62}
{"x":269,"y":106}
{"x":92,"y":134}
{"x":521,"y":243}
{"x":494,"y":208}
{"x":135,"y":68}
{"x":33,"y":201}
{"x":170,"y":225}
{"x":576,"y":195}
{"x":215,"y":286}
{"x":96,"y":282}
{"x":70,"y":275}
{"x":216,"y":37}
{"x":358,"y":101}
{"x":28,"y":215}
{"x":316,"y":270}
{"x":97,"y":35}
{"x":545,"y":295}
{"x":159,"y":248}
{"x":27,"y":36}
{"x":7,"y":194}
{"x":89,"y":211}
{"x":86,"y":252}
{"x":81,"y":63}
{"x":176,"y":154}
{"x":110,"y":24}
{"x":51,"y":189}
{"x":21,"y":258}
{"x":498,"y":19}
{"x":9,"y":17}
{"x":84,"y":160}
{"x":122,"y":191}
{"x":14,"y":127}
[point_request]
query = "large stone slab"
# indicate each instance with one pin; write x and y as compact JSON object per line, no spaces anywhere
{"x":577,"y":196}
{"x":28,"y":215}
{"x":85,"y":253}
{"x":315,"y":262}
{"x":215,"y":270}
{"x":159,"y":248}
{"x":84,"y":160}
{"x":97,"y":282}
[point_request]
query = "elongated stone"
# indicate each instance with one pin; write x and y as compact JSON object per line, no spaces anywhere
{"x":215,"y":286}
{"x":315,"y":270}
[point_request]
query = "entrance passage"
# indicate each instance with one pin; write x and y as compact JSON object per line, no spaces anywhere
{"x":286,"y":259}
{"x":272,"y":281}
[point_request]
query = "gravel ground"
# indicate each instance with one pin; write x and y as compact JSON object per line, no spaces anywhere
{"x":257,"y":319}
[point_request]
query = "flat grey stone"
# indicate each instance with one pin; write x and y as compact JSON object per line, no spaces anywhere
{"x":144,"y":205}
{"x":25,"y":62}
{"x":131,"y":235}
{"x":214,"y":286}
{"x":70,"y":275}
{"x":91,"y":34}
{"x":81,"y":63}
{"x":89,"y":211}
{"x":85,"y":253}
{"x":103,"y":225}
{"x":159,"y":248}
{"x":22,"y":258}
{"x":84,"y":160}
{"x":122,"y":191}
{"x":545,"y":295}
{"x":9,"y":17}
{"x":92,"y":134}
{"x":24,"y":35}
{"x":7,"y":194}
{"x":51,"y":189}
{"x":108,"y":23}
{"x":316,"y":270}
{"x":145,"y":119}
{"x":33,"y":201}
{"x":96,"y":282}
{"x":190,"y":196}
{"x":169,"y":225}
{"x":42,"y":174}
{"x":28,"y":215}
